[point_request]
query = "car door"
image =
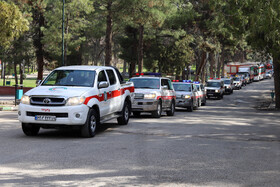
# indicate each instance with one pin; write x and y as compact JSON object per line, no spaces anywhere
{"x":103,"y":94}
{"x":164,"y":91}
{"x":196,"y":94}
{"x":114,"y":92}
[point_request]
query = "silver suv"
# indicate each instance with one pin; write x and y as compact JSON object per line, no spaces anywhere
{"x":215,"y":88}
{"x":187,"y":95}
{"x":153,"y":94}
{"x":229,"y":86}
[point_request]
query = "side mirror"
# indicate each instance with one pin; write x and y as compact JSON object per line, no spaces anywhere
{"x":164,"y":87}
{"x":38,"y":82}
{"x":103,"y":84}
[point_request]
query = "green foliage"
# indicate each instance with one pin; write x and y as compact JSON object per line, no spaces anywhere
{"x":13,"y":23}
{"x":76,"y":22}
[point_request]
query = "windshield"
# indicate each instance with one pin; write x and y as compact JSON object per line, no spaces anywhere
{"x":227,"y":81}
{"x":236,"y":79}
{"x":213,"y":84}
{"x":182,"y":87}
{"x":82,"y":78}
{"x":146,"y":83}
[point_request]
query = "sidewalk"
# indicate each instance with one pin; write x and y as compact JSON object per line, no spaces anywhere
{"x":7,"y":103}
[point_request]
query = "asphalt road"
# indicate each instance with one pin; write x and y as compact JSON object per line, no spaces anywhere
{"x":226,"y":143}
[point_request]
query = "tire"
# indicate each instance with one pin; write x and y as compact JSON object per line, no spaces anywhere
{"x":222,"y":96}
{"x":157,"y":113}
{"x":190,"y":108}
{"x":29,"y":129}
{"x":172,"y":109}
{"x":125,"y":114}
{"x":197,"y":105}
{"x":136,"y":114}
{"x":204,"y":103}
{"x":199,"y":102}
{"x":89,"y":128}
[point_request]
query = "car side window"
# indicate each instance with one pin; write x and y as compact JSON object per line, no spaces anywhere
{"x":111,"y":76}
{"x":194,"y":88}
{"x":170,"y":85}
{"x":102,"y":76}
{"x":164,"y":82}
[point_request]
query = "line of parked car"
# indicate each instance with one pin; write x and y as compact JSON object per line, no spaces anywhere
{"x":155,"y":94}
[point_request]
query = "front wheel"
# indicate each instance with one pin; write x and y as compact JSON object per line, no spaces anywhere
{"x":190,"y":108}
{"x":88,"y":129}
{"x":172,"y":109}
{"x":157,"y":113}
{"x":204,"y":103}
{"x":125,"y":114}
{"x":29,"y":129}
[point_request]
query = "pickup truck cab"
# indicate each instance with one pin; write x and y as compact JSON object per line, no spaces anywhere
{"x":153,"y":94}
{"x":76,"y":96}
{"x":187,"y":95}
{"x":215,"y":88}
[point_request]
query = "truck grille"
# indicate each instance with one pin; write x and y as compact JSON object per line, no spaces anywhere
{"x":47,"y":101}
{"x":179,"y":96}
{"x":58,"y":115}
{"x":210,"y":91}
{"x":139,"y":96}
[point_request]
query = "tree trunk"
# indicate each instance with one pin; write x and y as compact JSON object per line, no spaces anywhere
{"x":39,"y":20}
{"x":220,"y":61}
{"x":2,"y":69}
{"x":132,"y":69}
{"x":4,"y":74}
{"x":203,"y":75}
{"x":109,"y":34}
{"x":201,"y":66}
{"x":212,"y":64}
{"x":141,"y":48}
{"x":124,"y":66}
{"x":21,"y":66}
{"x":276,"y":64}
{"x":15,"y":72}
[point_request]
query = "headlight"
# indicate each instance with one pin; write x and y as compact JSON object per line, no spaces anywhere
{"x":73,"y":101}
{"x":25,"y":100}
{"x":149,"y":96}
{"x":187,"y":96}
{"x":217,"y":91}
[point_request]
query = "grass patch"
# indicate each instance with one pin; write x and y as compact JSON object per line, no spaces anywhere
{"x":26,"y":83}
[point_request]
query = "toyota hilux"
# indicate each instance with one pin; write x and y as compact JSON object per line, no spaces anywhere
{"x":76,"y":96}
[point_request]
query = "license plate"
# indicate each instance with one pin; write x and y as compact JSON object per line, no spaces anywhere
{"x":45,"y":118}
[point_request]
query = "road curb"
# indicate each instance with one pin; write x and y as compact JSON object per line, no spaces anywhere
{"x":9,"y":108}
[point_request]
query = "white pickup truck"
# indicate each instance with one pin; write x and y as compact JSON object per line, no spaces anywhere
{"x":77,"y":96}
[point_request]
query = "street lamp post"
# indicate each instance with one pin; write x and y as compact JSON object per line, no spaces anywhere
{"x":63,"y":33}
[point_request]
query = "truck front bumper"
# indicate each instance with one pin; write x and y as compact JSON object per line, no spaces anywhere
{"x":145,"y":105}
{"x":213,"y":94}
{"x":183,"y":103}
{"x":65,"y":115}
